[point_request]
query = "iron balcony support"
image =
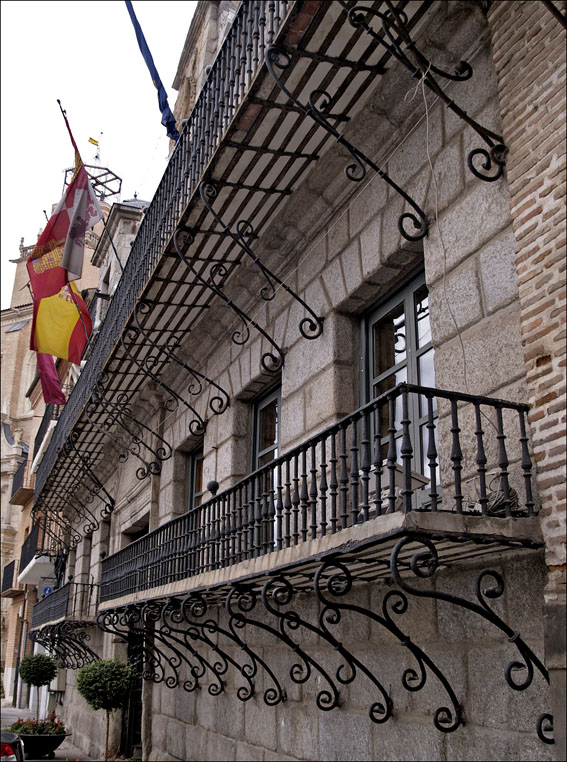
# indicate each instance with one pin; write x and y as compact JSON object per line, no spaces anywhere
{"x":393,"y":35}
{"x":319,"y":102}
{"x":66,"y":642}
{"x":272,"y":361}
{"x":220,"y":400}
{"x":310,"y":327}
{"x":152,"y":365}
{"x":97,"y":488}
{"x":176,"y":631}
{"x":119,"y":415}
{"x":489,"y":585}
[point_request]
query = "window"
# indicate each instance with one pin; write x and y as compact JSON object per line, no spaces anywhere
{"x":266,"y":448}
{"x":266,"y":429}
{"x":398,"y":349}
{"x":195,"y":479}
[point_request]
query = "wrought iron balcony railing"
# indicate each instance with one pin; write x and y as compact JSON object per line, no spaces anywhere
{"x":402,"y":452}
{"x":75,"y":601}
{"x":22,"y":484}
{"x":31,"y":546}
{"x":10,"y":586}
{"x":8,"y":576}
{"x":253,"y":30}
{"x":51,"y":414}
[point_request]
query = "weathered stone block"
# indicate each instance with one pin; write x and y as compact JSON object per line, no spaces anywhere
{"x":497,"y":272}
{"x":455,"y":303}
{"x":485,"y":202}
{"x":298,"y":732}
{"x":345,"y":736}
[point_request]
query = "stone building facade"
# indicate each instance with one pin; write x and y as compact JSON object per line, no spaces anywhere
{"x":321,"y":425}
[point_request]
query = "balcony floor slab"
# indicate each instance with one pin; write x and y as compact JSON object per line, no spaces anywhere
{"x":366,"y":546}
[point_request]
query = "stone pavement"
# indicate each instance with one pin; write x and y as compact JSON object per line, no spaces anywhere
{"x":66,"y":751}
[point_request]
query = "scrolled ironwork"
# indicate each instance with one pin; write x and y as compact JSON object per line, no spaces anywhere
{"x":66,"y":642}
{"x":338,"y":584}
{"x":118,"y":415}
{"x":394,"y":33}
{"x":319,"y":102}
{"x":82,"y":461}
{"x":310,"y":327}
{"x":241,"y":601}
{"x":219,"y":402}
{"x":272,"y":361}
{"x":489,"y":585}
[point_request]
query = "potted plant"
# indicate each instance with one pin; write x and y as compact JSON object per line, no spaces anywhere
{"x":40,"y":737}
{"x":37,"y":670}
{"x":105,"y":684}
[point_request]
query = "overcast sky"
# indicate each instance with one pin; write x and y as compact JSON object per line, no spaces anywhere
{"x":86,"y":54}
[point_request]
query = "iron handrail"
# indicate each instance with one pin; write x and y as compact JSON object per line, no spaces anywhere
{"x":9,"y":576}
{"x":382,"y":458}
{"x":73,"y":600}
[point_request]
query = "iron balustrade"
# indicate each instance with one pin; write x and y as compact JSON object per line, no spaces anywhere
{"x":31,"y":546}
{"x":241,"y":55}
{"x":382,"y":458}
{"x":19,"y":477}
{"x":51,"y":413}
{"x":74,"y":601}
{"x":9,"y":576}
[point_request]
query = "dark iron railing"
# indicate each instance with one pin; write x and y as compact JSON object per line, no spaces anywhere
{"x":380,"y":459}
{"x":19,"y":477}
{"x":51,"y":413}
{"x":31,"y":546}
{"x":74,"y":601}
{"x":253,"y":30}
{"x":9,"y":576}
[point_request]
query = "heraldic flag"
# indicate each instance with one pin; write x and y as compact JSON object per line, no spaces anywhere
{"x":61,"y":321}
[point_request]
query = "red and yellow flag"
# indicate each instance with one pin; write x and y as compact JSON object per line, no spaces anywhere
{"x":61,"y":321}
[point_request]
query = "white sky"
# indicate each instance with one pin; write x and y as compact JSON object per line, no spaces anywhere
{"x":86,"y":54}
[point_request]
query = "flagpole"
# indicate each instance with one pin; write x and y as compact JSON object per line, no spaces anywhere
{"x":64,"y":114}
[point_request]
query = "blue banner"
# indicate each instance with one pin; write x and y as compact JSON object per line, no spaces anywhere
{"x":167,"y":118}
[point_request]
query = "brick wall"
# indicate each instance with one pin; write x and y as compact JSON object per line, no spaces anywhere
{"x":529,"y":56}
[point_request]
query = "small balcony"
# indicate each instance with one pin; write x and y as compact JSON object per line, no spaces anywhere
{"x":74,"y":602}
{"x":10,"y":587}
{"x":22,"y":484}
{"x":36,"y":563}
{"x":415,"y":461}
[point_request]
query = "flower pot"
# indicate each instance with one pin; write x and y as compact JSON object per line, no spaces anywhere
{"x":40,"y":746}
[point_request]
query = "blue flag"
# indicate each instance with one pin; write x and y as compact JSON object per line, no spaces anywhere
{"x":167,"y":118}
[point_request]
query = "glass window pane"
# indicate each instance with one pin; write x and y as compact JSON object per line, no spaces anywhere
{"x":387,"y":383}
{"x":390,"y":340}
{"x":423,"y":326}
{"x":268,"y":429}
{"x":198,"y":490}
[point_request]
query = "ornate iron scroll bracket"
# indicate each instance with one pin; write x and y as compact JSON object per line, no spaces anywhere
{"x":486,"y":164}
{"x":272,"y":361}
{"x":317,"y":109}
{"x":489,"y":585}
{"x":194,"y":633}
{"x":82,"y":461}
{"x":66,"y":642}
{"x":118,"y":415}
{"x":129,"y":339}
{"x":220,"y":399}
{"x":310,"y":327}
{"x":61,"y":533}
{"x":80,"y":511}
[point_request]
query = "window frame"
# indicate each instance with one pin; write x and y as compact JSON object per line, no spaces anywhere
{"x":195,"y":457}
{"x":405,"y":294}
{"x":274,"y":394}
